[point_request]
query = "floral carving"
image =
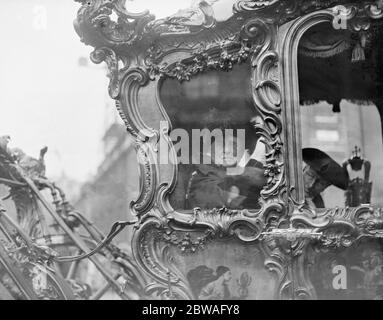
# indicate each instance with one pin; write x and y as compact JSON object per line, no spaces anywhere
{"x":341,"y":227}
{"x":272,"y":171}
{"x":96,"y":17}
{"x":185,"y":242}
{"x":250,"y":5}
{"x":359,"y":16}
{"x":222,"y":57}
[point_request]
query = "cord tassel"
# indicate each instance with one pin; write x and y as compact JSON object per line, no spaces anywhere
{"x":358,"y":53}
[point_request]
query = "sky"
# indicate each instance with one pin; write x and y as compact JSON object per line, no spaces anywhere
{"x":46,"y":97}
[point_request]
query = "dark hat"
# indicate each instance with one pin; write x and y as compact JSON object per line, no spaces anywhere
{"x":221,"y":270}
{"x":327,"y":168}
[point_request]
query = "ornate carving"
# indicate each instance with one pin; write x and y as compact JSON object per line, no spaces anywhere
{"x":188,"y":21}
{"x":222,"y":56}
{"x":225,"y":222}
{"x":293,"y":235}
{"x":216,"y":55}
{"x":123,"y":87}
{"x":96,"y":24}
{"x":147,"y":190}
{"x":252,"y":5}
{"x":82,"y":291}
{"x":285,"y":261}
{"x":155,"y":259}
{"x":267,"y":98}
{"x":341,"y":227}
{"x":186,"y":242}
{"x":108,"y":56}
{"x":34,"y":264}
{"x":191,"y":234}
{"x":358,"y":16}
{"x":15,"y":167}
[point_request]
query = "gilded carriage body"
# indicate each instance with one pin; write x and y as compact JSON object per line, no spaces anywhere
{"x":259,"y":52}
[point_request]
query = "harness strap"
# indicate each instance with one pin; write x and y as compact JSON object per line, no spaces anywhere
{"x":115,"y":230}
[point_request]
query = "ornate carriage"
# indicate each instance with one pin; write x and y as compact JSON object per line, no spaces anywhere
{"x":256,"y":228}
{"x":247,"y":65}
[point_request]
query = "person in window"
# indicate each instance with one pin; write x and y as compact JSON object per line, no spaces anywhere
{"x":319,"y":172}
{"x":226,"y":182}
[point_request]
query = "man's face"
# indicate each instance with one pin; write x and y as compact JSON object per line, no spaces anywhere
{"x":314,"y":185}
{"x":226,"y":153}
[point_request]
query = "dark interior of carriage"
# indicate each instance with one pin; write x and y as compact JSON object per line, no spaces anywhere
{"x":211,"y":100}
{"x":214,"y":100}
{"x":340,"y":78}
{"x":334,"y":65}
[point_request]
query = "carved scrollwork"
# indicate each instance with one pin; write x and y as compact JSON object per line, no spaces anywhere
{"x":143,"y":203}
{"x":226,"y":223}
{"x":97,"y":26}
{"x":123,"y":87}
{"x":15,"y":167}
{"x":369,"y":221}
{"x":285,"y":247}
{"x":131,"y":80}
{"x":187,"y":21}
{"x":108,"y":56}
{"x":118,"y":75}
{"x":31,"y":262}
{"x":151,"y":250}
{"x":286,"y":263}
{"x":186,"y":242}
{"x":267,"y":98}
{"x":342,"y":227}
{"x":251,"y":5}
{"x":358,"y":17}
{"x":95,"y":19}
{"x":190,"y":235}
{"x":222,"y":56}
{"x":286,"y":8}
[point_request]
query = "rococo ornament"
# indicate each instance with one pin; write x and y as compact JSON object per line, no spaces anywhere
{"x":141,"y":53}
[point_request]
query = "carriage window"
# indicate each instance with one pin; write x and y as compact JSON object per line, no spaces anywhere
{"x":341,"y":108}
{"x":218,"y":156}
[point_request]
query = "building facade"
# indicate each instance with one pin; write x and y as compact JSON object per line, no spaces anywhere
{"x":106,"y":198}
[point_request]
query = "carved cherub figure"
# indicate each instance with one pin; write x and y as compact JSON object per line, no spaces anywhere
{"x":4,"y":140}
{"x":34,"y":168}
{"x":200,"y":14}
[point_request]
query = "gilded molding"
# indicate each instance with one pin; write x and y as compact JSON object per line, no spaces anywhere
{"x":139,"y":51}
